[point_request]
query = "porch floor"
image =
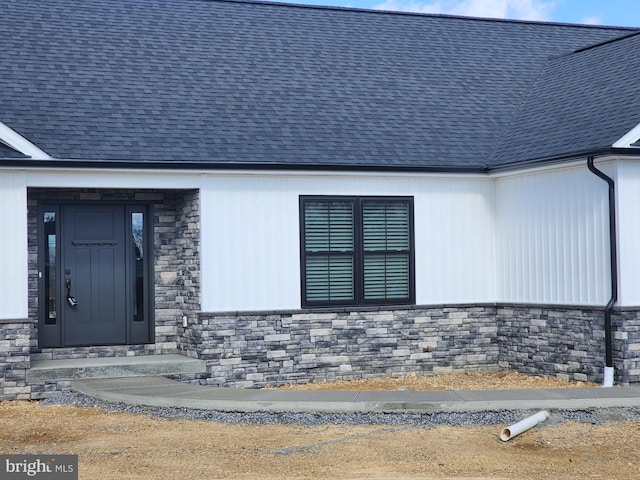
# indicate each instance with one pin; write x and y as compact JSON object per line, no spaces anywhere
{"x":114,"y":367}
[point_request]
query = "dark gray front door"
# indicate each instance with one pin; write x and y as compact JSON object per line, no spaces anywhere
{"x":94,"y":276}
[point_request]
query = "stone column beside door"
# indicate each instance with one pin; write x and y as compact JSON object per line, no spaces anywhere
{"x":15,"y":359}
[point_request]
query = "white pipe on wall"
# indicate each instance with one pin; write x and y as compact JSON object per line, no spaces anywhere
{"x":608,"y":377}
{"x":523,"y":425}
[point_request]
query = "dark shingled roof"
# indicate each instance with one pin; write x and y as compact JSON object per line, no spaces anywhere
{"x":8,"y":152}
{"x":582,"y":101}
{"x":230,"y":82}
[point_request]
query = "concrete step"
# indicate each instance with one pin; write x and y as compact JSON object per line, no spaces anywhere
{"x":114,"y":367}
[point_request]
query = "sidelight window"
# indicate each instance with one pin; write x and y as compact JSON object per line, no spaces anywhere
{"x":50,"y":267}
{"x":137,"y":233}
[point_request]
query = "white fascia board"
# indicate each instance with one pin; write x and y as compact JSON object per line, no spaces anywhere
{"x":631,"y":137}
{"x":105,"y":178}
{"x":21,"y":144}
{"x":540,"y":168}
{"x":252,"y":172}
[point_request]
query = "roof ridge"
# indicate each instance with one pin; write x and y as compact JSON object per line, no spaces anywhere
{"x":595,"y":45}
{"x":421,"y":14}
{"x":607,"y":42}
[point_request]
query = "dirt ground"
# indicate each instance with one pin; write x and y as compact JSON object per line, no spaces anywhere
{"x":125,"y":446}
{"x":499,"y":380}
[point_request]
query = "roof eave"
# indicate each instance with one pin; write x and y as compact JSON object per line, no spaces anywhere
{"x":205,"y":165}
{"x":315,"y":167}
{"x":559,"y":159}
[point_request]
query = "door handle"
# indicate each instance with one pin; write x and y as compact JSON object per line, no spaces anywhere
{"x":71,"y":300}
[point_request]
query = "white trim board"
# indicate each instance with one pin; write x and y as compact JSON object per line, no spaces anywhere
{"x":631,"y":137}
{"x":16,"y":141}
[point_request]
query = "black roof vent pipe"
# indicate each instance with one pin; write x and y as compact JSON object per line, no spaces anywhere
{"x":613,"y":259}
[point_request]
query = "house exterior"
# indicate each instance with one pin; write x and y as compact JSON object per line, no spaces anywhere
{"x":296,"y":193}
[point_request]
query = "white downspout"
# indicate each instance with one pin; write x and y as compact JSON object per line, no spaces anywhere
{"x":608,"y":377}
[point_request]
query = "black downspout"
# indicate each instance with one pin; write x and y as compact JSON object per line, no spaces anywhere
{"x":613,"y":250}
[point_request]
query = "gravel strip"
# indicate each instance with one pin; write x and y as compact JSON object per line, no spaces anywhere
{"x":593,"y":416}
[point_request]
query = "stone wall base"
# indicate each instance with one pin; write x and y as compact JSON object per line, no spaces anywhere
{"x":568,"y":342}
{"x":626,"y":346}
{"x":42,"y":390}
{"x":562,"y":342}
{"x":163,"y":348}
{"x":256,"y":349}
{"x":272,"y":348}
{"x":15,"y":359}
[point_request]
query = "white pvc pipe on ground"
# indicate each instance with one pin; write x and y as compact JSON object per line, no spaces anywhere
{"x":608,"y":377}
{"x":523,"y":425}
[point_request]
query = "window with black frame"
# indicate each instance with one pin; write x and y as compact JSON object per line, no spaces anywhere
{"x":357,"y":250}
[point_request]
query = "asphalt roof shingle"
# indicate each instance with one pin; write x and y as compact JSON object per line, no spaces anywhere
{"x":582,"y":101}
{"x":227,"y":82}
{"x":8,"y":152}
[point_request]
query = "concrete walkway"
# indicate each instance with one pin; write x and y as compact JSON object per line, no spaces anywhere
{"x":162,"y":392}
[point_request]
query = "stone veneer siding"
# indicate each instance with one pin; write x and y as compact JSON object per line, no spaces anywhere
{"x":626,"y":345}
{"x":187,"y":244}
{"x":176,"y":238}
{"x":568,"y":342}
{"x":270,"y":348}
{"x":15,"y":359}
{"x":560,"y":341}
{"x":254,"y":349}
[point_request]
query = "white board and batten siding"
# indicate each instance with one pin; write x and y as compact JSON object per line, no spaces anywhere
{"x":534,"y":238}
{"x":251,"y":236}
{"x":553,"y":238}
{"x":13,"y":246}
{"x":628,"y":220}
{"x":524,"y":238}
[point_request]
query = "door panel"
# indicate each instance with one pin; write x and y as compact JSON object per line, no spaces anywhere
{"x":94,"y":274}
